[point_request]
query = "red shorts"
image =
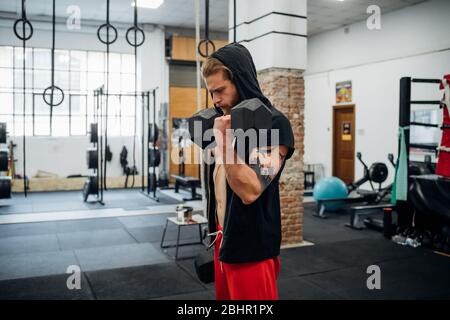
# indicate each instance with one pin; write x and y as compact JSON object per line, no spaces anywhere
{"x":245,"y":281}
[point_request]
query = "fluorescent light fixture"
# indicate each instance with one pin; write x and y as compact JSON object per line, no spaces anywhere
{"x":148,"y":4}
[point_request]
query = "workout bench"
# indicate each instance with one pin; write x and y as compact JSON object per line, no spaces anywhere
{"x":322,"y":204}
{"x":358,"y":211}
{"x":188,"y":182}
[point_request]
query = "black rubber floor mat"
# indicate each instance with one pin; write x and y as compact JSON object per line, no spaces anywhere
{"x":44,"y":288}
{"x":144,"y":282}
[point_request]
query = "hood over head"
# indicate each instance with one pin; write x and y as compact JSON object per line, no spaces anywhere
{"x":238,"y":59}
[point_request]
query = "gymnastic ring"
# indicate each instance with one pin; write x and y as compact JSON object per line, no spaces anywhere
{"x":53,"y":88}
{"x":107,"y":26}
{"x":26,"y":22}
{"x":138,"y":30}
{"x":207,"y":42}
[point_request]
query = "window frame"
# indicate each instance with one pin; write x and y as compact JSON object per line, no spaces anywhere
{"x":33,"y":93}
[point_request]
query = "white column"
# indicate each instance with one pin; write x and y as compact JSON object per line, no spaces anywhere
{"x":274,"y":31}
{"x":152,"y":72}
{"x":153,"y":69}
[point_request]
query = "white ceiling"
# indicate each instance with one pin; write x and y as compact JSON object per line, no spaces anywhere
{"x":174,"y":13}
{"x":326,"y":15}
{"x":322,"y":14}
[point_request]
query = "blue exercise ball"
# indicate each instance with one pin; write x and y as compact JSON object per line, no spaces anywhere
{"x":331,"y":188}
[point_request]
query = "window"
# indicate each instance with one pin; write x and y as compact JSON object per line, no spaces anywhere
{"x":425,"y":135}
{"x":78,"y":73}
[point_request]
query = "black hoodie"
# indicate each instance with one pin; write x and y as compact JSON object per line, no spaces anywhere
{"x":250,"y":232}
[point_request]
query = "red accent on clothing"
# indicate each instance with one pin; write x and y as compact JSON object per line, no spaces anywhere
{"x":443,"y":163}
{"x":446,"y":77}
{"x":245,"y":281}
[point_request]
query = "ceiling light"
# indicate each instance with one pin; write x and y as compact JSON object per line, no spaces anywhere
{"x":148,"y":4}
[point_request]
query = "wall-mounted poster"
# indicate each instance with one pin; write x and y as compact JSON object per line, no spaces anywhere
{"x":343,"y":92}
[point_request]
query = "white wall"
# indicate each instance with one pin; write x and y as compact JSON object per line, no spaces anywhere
{"x":153,"y":69}
{"x":413,"y":30}
{"x":412,"y":42}
{"x":67,"y":155}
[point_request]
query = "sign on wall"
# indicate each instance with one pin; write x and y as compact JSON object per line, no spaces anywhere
{"x":343,"y":92}
{"x":346,"y":131}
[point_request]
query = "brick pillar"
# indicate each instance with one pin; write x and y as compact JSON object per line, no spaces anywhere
{"x":285,"y":89}
{"x":275,"y":33}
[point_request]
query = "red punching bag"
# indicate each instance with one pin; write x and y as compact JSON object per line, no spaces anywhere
{"x":443,"y":163}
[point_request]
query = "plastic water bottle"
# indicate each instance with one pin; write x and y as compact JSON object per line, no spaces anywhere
{"x":399,"y":239}
{"x":180,"y":213}
{"x":412,"y":242}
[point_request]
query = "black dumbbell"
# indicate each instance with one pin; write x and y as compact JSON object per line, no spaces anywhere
{"x":4,"y":159}
{"x":249,"y":114}
{"x":3,"y":133}
{"x":200,"y":122}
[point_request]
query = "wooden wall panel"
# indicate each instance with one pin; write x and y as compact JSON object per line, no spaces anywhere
{"x":183,"y":104}
{"x":183,"y":48}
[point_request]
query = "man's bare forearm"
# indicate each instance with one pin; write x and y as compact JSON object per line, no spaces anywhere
{"x":249,"y":181}
{"x":242,"y":179}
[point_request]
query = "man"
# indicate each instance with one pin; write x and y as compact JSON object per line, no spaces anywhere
{"x":243,"y":197}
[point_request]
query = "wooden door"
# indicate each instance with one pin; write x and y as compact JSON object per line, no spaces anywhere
{"x":344,"y":142}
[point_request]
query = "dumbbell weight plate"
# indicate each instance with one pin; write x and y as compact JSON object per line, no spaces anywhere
{"x":5,"y":187}
{"x":2,"y":132}
{"x":154,"y":157}
{"x":251,"y":114}
{"x":4,"y":155}
{"x":199,"y":123}
{"x":92,"y":159}
{"x":94,"y":133}
{"x":153,"y":132}
{"x":90,"y":187}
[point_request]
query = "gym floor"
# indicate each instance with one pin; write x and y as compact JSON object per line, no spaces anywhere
{"x":120,"y":257}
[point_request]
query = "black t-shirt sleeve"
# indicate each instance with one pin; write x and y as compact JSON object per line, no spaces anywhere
{"x":286,"y":136}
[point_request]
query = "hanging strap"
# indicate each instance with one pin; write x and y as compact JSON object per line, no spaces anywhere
{"x":24,"y":37}
{"x":400,"y":187}
{"x":107,"y":95}
{"x":207,"y":42}
{"x":234,"y":21}
{"x":135,"y":43}
{"x":24,"y":102}
{"x":50,"y":91}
